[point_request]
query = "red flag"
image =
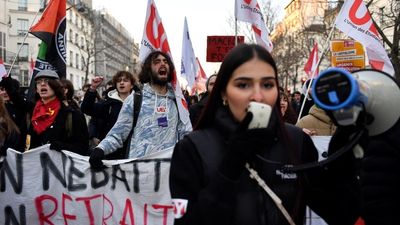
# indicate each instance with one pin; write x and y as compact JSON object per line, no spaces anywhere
{"x":312,"y":62}
{"x":201,"y":78}
{"x":155,"y":38}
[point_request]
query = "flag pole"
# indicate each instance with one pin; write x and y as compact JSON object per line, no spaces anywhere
{"x":22,"y":44}
{"x":235,"y":31}
{"x":315,"y":69}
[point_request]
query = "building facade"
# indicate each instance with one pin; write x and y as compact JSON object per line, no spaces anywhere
{"x":84,"y":35}
{"x":303,"y":25}
{"x":113,"y":52}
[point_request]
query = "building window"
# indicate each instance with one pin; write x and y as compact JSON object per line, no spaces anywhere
{"x":23,"y":5}
{"x":76,"y":39}
{"x":22,"y":26}
{"x":82,"y":63}
{"x":71,"y":58}
{"x":69,"y":15}
{"x":82,"y":42}
{"x":24,"y":53}
{"x":43,"y":5}
{"x":77,"y":61}
{"x":24,"y":77}
{"x":70,"y":35}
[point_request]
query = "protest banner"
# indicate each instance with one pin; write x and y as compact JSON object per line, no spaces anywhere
{"x":43,"y":186}
{"x":219,"y":46}
{"x":347,"y":54}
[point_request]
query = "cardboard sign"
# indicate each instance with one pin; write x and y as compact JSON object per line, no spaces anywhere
{"x":219,"y":46}
{"x":43,"y":186}
{"x":347,"y":54}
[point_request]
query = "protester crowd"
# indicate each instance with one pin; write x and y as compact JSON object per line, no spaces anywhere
{"x":138,"y":115}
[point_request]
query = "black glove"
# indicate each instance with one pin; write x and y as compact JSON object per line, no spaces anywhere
{"x":56,"y":145}
{"x":95,"y":159}
{"x":243,"y":145}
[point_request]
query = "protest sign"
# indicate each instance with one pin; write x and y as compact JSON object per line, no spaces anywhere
{"x":219,"y":46}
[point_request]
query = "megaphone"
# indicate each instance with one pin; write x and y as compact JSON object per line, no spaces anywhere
{"x":347,"y":94}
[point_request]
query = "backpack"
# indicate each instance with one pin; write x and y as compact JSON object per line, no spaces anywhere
{"x":123,"y":153}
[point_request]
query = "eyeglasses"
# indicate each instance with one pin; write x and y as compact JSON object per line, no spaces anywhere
{"x":42,"y":80}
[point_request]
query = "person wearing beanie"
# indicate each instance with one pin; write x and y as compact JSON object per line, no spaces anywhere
{"x":53,"y":122}
{"x":17,"y":107}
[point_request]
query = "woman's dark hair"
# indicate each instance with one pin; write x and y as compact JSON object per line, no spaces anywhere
{"x":145,"y":73}
{"x":290,"y":114}
{"x":57,"y":87}
{"x":234,"y":59}
{"x":67,"y":84}
{"x":7,"y":125}
{"x":121,"y":74}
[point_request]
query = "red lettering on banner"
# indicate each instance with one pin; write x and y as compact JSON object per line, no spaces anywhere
{"x":47,"y":208}
{"x":86,"y":201}
{"x":165,"y":211}
{"x":39,"y":201}
{"x":66,"y":216}
{"x":128,"y":209}
{"x":105,"y":199}
{"x":361,"y":20}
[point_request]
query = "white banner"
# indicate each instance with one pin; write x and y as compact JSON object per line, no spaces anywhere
{"x":249,"y":11}
{"x":355,"y":21}
{"x":43,"y":186}
{"x":189,"y":63}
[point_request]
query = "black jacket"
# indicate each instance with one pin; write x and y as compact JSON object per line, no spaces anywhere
{"x":196,"y":109}
{"x":214,"y":199}
{"x":380,"y":178}
{"x":105,"y":112}
{"x":75,"y":140}
{"x":12,"y":140}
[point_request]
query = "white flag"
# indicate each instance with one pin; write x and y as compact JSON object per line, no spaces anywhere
{"x":155,"y":38}
{"x":249,"y":11}
{"x":355,"y":21}
{"x":188,"y":61}
{"x":3,"y":71}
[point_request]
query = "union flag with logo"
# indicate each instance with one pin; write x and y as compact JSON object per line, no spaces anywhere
{"x":155,"y":38}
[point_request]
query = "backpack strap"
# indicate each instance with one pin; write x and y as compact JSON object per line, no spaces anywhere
{"x":137,"y":104}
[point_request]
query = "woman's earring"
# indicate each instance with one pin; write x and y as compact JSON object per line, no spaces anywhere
{"x":224,"y":102}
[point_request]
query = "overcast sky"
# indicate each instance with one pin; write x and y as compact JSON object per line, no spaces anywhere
{"x":205,"y":18}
